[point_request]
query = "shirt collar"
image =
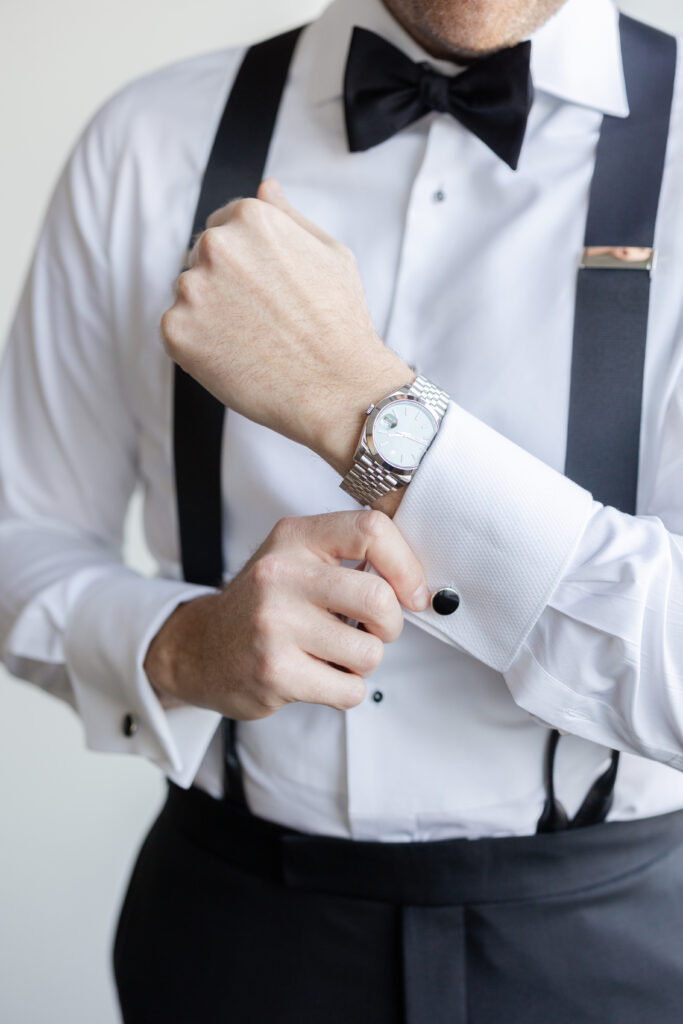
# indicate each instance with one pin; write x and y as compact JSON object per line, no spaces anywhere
{"x":575,"y":56}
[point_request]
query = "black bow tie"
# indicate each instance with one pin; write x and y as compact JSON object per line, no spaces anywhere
{"x":385,"y":91}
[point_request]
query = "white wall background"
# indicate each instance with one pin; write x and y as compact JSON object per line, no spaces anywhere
{"x":70,"y":820}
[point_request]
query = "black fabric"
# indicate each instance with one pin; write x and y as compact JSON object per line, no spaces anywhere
{"x":235,"y":169}
{"x":385,"y":91}
{"x":229,"y":918}
{"x":610,"y":327}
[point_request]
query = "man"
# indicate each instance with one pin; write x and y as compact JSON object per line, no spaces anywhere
{"x":528,"y":604}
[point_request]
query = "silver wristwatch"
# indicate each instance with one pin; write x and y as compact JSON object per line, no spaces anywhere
{"x":397,"y":432}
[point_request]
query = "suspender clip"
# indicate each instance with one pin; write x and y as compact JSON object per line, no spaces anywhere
{"x":618,"y":257}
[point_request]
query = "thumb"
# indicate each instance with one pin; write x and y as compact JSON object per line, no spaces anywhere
{"x":270,"y":191}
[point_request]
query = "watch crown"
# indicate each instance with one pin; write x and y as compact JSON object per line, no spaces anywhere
{"x":369,"y":408}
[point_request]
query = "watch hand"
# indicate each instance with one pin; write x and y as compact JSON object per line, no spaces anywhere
{"x":400,"y":433}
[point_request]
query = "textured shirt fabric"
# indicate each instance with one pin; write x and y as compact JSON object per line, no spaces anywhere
{"x":571,"y":613}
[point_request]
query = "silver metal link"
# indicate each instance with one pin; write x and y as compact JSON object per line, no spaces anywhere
{"x":367,"y":481}
{"x":433,"y":397}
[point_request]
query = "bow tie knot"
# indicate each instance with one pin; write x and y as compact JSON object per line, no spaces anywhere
{"x":434,"y":89}
{"x":385,"y":91}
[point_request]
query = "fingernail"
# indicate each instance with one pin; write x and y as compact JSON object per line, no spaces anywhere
{"x":420,"y":599}
{"x":275,"y":187}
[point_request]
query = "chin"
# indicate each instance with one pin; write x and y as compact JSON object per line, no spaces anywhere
{"x":470,"y":29}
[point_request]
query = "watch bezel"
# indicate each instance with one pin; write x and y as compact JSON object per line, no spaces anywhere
{"x":398,"y":471}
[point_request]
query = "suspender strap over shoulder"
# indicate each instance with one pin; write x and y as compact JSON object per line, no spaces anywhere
{"x":612,"y":304}
{"x":234,"y":170}
{"x":610,"y":327}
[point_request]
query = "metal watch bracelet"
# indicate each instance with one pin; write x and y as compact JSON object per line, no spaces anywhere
{"x":369,"y":478}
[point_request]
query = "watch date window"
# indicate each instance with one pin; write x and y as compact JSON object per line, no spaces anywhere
{"x":390,"y":420}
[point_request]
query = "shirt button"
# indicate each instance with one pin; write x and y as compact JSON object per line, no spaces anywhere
{"x":129,"y":725}
{"x":378,"y":696}
{"x":445,"y":601}
{"x":439,"y":195}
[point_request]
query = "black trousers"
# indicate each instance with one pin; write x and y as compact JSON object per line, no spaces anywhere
{"x":235,"y":920}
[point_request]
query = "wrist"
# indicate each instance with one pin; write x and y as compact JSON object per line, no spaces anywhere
{"x":397,"y":432}
{"x":339,"y":436}
{"x":170,"y":652}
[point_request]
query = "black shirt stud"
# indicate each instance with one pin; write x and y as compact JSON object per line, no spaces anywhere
{"x":445,"y":601}
{"x":129,"y":725}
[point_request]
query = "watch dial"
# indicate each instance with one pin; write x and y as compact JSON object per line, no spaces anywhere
{"x":402,"y":433}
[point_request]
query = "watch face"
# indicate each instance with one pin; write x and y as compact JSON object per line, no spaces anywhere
{"x":402,"y":432}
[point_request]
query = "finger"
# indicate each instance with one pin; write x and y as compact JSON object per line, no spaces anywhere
{"x":356,"y":595}
{"x":175,"y":283}
{"x":216,"y":219}
{"x":271,"y":192}
{"x":392,"y":557}
{"x":332,"y":640}
{"x":370,"y":534}
{"x":223,"y":214}
{"x":316,"y":682}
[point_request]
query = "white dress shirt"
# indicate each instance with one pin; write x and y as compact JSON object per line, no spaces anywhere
{"x":571,"y":613}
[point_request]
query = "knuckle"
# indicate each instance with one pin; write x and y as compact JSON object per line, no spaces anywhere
{"x":247,"y":210}
{"x":169,"y":331}
{"x":186,"y":287}
{"x":268,"y":572}
{"x":353,"y":695}
{"x":266,"y":700}
{"x":373,"y":523}
{"x":370,"y":654}
{"x":219,"y":216}
{"x":270,"y":671}
{"x":262,"y":621}
{"x":381,"y":600}
{"x":387,"y":611}
{"x":394,"y":627}
{"x":283,"y":529}
{"x":211,"y":245}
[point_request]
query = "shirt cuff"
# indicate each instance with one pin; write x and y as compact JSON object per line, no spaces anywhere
{"x":498,"y":526}
{"x":106,"y":639}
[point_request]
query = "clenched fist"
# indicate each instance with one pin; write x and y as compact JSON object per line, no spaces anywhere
{"x":271,"y":318}
{"x":277,"y":634}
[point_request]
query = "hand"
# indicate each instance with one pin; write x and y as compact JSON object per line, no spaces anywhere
{"x":272,"y":319}
{"x":274,"y":635}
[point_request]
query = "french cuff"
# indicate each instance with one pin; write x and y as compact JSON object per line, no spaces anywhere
{"x":497,"y":526}
{"x":106,"y":639}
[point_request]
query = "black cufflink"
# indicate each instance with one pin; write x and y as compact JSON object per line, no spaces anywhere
{"x":129,"y":725}
{"x":445,"y":601}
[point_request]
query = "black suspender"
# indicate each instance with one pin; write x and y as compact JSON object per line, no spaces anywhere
{"x":609,"y":333}
{"x":611,"y":304}
{"x":610,"y":326}
{"x":235,"y":169}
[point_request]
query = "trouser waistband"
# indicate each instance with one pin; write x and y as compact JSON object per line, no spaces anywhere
{"x":451,"y":871}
